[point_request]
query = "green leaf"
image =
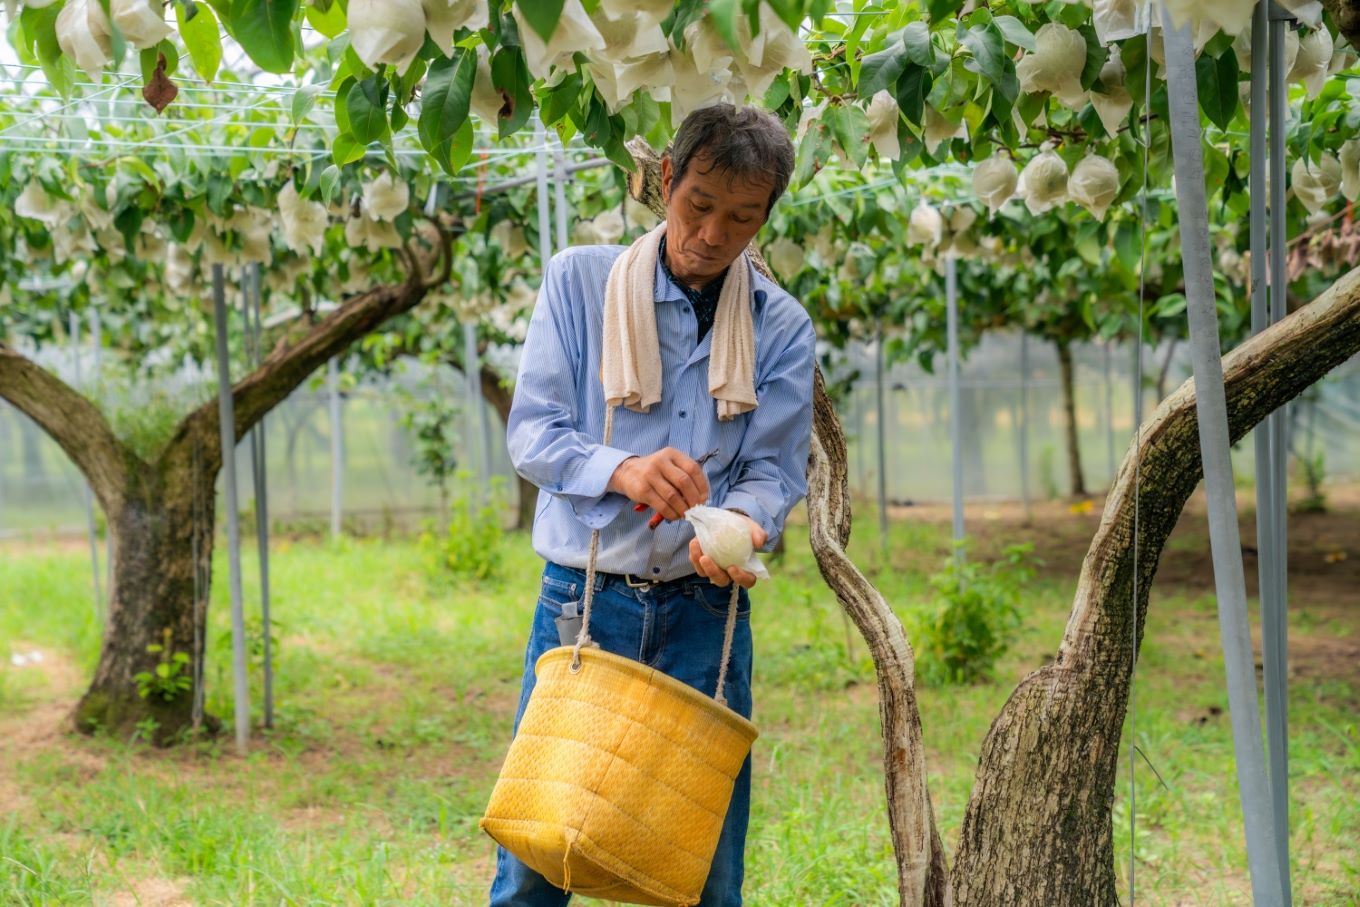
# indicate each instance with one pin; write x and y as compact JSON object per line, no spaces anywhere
{"x":912,"y":89}
{"x":813,"y":151}
{"x":444,"y":107}
{"x":330,"y":22}
{"x":988,"y":49}
{"x":40,"y":32}
{"x":330,"y":181}
{"x":723,"y":14}
{"x":263,"y":28}
{"x":560,"y":99}
{"x":510,"y":74}
{"x":1216,"y":80}
{"x":916,"y":38}
{"x":304,"y":99}
{"x":347,"y":149}
{"x":1015,"y":32}
{"x":367,"y":106}
{"x":542,"y":15}
{"x":849,"y":126}
{"x":203,"y":39}
{"x":878,"y":71}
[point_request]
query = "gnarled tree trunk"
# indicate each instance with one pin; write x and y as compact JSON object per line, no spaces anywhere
{"x":1346,"y":15}
{"x":151,"y":505}
{"x":500,"y":398}
{"x":1038,"y":828}
{"x":1067,"y":375}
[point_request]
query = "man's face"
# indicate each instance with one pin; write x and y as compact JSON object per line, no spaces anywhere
{"x":710,"y":219}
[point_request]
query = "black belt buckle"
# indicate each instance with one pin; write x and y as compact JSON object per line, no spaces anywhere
{"x":638,"y":582}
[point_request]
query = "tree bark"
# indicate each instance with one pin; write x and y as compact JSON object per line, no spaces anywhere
{"x":152,"y":600}
{"x":1346,"y":15}
{"x":1037,"y":830}
{"x":500,"y":397}
{"x":151,"y":506}
{"x":1069,"y":400}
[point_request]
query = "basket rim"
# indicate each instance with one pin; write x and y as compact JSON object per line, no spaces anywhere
{"x":642,"y":672}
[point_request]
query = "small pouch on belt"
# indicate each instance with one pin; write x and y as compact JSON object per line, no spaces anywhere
{"x":569,"y":624}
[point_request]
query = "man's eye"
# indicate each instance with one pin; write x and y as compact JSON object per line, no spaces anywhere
{"x":741,"y":220}
{"x":699,"y":209}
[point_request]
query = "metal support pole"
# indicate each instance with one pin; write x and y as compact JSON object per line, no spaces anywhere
{"x":1229,"y":581}
{"x":226,"y":413}
{"x":260,"y":477}
{"x":110,"y":541}
{"x":882,"y":447}
{"x":1023,"y":426}
{"x":951,"y":284}
{"x":560,"y":193}
{"x":472,"y":371}
{"x":1272,"y":546}
{"x":545,"y":244}
{"x":87,"y":496}
{"x":337,"y":443}
{"x":1109,"y":417}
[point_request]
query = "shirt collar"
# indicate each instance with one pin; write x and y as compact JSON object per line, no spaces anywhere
{"x":669,"y":289}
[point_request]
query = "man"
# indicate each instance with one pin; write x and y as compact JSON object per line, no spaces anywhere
{"x":658,"y":598}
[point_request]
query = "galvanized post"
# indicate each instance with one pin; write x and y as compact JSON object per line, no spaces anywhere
{"x":955,"y":395}
{"x":86,"y":495}
{"x":1272,"y":547}
{"x":337,"y":443}
{"x":1023,"y":426}
{"x":560,"y":193}
{"x":1211,"y":400}
{"x":260,"y":475}
{"x":545,"y":243}
{"x":882,"y":448}
{"x":226,"y":412}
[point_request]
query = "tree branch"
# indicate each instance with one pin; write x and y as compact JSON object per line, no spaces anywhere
{"x":72,"y":421}
{"x":1346,"y":15}
{"x":1038,"y":825}
{"x":290,"y":363}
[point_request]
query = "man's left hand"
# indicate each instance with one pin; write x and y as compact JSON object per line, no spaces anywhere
{"x":706,"y":567}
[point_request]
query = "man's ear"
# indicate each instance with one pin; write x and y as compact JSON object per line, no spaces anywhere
{"x":666,"y":175}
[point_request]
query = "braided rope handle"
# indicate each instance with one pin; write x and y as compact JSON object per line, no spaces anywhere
{"x":583,"y":638}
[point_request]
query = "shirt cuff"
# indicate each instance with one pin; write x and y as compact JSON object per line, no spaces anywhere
{"x":594,"y":505}
{"x":753,"y":508}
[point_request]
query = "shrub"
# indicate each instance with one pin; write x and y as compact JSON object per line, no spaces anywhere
{"x":469,"y":544}
{"x":975,"y":615}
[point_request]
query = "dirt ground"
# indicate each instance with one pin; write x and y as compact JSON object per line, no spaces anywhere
{"x":1323,"y":561}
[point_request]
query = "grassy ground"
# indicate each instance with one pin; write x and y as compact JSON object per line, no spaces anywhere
{"x":395,"y":692}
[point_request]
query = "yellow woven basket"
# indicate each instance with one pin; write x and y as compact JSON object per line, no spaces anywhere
{"x":618,"y":782}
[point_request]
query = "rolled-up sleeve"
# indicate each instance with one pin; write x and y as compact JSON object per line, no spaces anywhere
{"x":771,"y":467}
{"x":545,"y":445}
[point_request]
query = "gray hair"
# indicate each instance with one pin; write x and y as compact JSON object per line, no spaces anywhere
{"x":745,"y":142}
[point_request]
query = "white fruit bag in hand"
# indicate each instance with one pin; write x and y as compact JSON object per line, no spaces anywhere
{"x":726,"y":538}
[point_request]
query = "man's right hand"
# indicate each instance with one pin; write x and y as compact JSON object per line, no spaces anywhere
{"x":668,"y":481}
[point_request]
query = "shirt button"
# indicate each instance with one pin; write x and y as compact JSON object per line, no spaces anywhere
{"x":656,"y":569}
{"x":683,"y":414}
{"x":686,"y":310}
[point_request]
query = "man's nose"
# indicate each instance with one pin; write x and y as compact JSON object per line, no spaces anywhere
{"x":712,"y":233}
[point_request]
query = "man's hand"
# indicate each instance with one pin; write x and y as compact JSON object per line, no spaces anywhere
{"x":668,"y":481}
{"x":707,"y":567}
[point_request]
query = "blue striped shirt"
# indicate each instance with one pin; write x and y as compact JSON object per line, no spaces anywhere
{"x":557,"y":419}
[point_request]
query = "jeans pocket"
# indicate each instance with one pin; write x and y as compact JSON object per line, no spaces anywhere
{"x":716,"y":600}
{"x":554,"y":593}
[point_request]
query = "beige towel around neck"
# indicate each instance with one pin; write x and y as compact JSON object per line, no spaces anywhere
{"x":630,"y":369}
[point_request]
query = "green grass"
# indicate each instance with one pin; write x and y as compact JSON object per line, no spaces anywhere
{"x":394,"y":696}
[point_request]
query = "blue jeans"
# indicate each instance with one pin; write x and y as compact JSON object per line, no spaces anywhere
{"x":676,"y":628}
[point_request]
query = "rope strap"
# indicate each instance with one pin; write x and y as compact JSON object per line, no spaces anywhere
{"x":583,"y":638}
